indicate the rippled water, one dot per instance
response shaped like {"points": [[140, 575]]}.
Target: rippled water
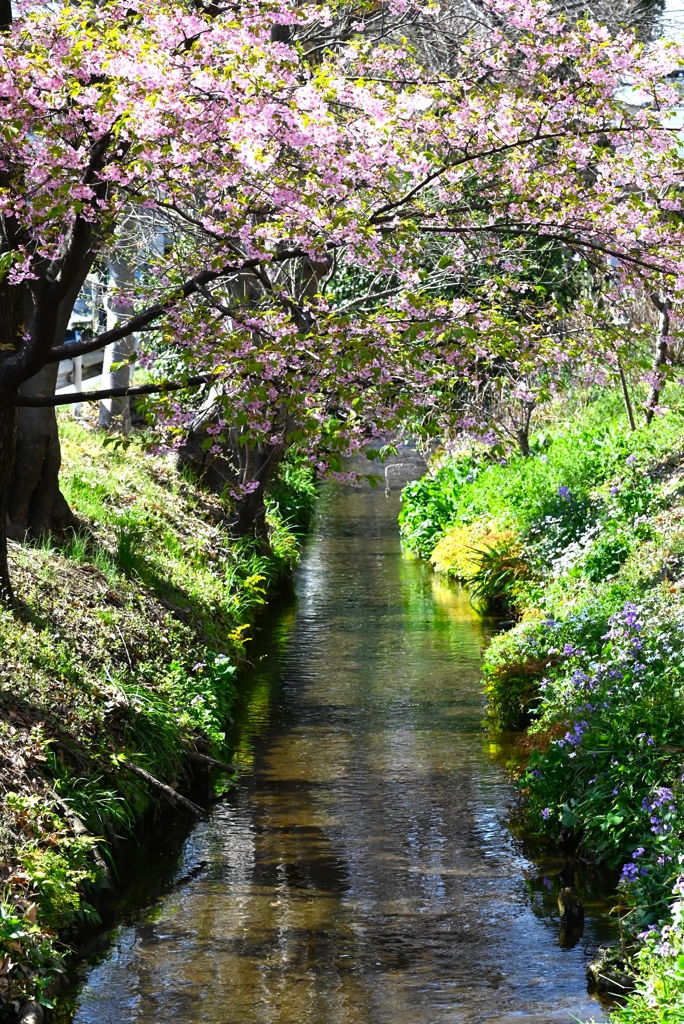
{"points": [[363, 871]]}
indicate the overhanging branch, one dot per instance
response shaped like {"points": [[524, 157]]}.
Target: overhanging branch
{"points": [[136, 323], [50, 401]]}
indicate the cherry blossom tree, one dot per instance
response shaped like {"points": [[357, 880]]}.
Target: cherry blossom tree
{"points": [[320, 211]]}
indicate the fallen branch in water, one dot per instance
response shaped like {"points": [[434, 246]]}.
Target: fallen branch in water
{"points": [[210, 762], [171, 795]]}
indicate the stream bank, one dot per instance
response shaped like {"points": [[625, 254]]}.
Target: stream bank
{"points": [[363, 870], [116, 683], [583, 540]]}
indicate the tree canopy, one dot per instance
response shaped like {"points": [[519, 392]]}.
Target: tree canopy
{"points": [[332, 234]]}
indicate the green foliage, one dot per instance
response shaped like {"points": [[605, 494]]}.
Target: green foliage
{"points": [[292, 496], [56, 863], [555, 500], [129, 557], [499, 571], [30, 962], [430, 505], [514, 665], [659, 995], [593, 559], [613, 775]]}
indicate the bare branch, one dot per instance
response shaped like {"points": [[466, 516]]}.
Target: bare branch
{"points": [[50, 401]]}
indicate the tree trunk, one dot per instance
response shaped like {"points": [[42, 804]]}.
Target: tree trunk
{"points": [[15, 308], [260, 463], [8, 431], [523, 429], [625, 396], [524, 442], [663, 305], [118, 308], [241, 470], [36, 506]]}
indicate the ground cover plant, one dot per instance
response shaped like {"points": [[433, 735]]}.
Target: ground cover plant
{"points": [[123, 657], [594, 670]]}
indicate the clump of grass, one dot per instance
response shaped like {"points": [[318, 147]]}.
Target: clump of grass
{"points": [[499, 570], [129, 558]]}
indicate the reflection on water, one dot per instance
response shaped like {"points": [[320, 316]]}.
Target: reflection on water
{"points": [[363, 873]]}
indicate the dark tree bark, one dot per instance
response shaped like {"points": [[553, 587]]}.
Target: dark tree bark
{"points": [[14, 306], [663, 305], [625, 396], [8, 428], [239, 465], [523, 442], [36, 503], [259, 465], [523, 429]]}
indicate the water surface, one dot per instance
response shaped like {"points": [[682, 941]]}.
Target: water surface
{"points": [[363, 872]]}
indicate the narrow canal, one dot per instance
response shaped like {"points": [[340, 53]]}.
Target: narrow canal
{"points": [[363, 872]]}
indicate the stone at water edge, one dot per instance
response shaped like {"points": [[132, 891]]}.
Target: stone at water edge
{"points": [[31, 1013], [610, 973]]}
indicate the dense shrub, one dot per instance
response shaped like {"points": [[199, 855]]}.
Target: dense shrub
{"points": [[456, 554]]}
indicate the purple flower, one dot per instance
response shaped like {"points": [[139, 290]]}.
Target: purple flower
{"points": [[545, 813], [564, 493], [629, 872], [615, 490], [631, 459], [639, 852]]}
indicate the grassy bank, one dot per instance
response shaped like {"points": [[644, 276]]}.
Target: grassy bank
{"points": [[583, 545], [116, 674]]}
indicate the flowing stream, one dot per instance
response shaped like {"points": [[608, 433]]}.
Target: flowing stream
{"points": [[363, 872]]}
